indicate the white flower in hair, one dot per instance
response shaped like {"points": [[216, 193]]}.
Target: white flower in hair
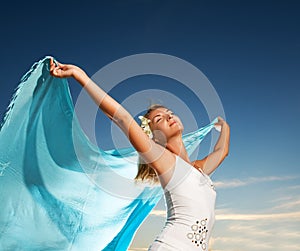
{"points": [[145, 126]]}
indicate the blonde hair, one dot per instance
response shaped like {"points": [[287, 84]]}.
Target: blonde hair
{"points": [[145, 171]]}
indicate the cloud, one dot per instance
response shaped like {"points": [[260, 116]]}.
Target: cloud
{"points": [[262, 235], [287, 199], [253, 217], [273, 226], [296, 187], [243, 217], [245, 232], [239, 243], [251, 180], [288, 205], [138, 249], [161, 213]]}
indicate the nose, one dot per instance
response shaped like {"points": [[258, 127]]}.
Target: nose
{"points": [[169, 116]]}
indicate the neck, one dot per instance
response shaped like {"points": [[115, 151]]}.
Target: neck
{"points": [[176, 146]]}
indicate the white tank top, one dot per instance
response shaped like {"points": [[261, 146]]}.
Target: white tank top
{"points": [[190, 202]]}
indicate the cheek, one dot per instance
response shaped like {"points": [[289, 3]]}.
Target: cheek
{"points": [[179, 121], [181, 125]]}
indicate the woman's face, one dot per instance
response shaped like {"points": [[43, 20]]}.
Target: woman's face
{"points": [[164, 124]]}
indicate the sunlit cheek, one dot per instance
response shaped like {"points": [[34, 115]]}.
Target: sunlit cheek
{"points": [[179, 123]]}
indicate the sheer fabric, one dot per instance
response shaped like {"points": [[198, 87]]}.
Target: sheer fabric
{"points": [[48, 199]]}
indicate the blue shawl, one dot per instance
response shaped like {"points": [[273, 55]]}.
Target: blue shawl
{"points": [[48, 200]]}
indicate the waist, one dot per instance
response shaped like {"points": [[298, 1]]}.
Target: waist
{"points": [[186, 221], [194, 235], [182, 207]]}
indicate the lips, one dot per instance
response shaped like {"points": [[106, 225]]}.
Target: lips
{"points": [[172, 123]]}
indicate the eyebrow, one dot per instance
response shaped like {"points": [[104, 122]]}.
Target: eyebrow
{"points": [[160, 114]]}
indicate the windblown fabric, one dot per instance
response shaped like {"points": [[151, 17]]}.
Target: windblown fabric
{"points": [[58, 190]]}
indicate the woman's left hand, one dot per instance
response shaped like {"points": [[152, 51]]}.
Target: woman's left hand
{"points": [[220, 124]]}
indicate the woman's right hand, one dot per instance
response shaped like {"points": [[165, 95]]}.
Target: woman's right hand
{"points": [[62, 70]]}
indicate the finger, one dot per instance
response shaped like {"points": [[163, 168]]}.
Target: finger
{"points": [[54, 70], [57, 63], [60, 65], [51, 63], [52, 66]]}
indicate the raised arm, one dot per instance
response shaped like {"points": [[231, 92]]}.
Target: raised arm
{"points": [[221, 150], [151, 152]]}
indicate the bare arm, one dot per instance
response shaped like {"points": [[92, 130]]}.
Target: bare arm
{"points": [[221, 150], [151, 152]]}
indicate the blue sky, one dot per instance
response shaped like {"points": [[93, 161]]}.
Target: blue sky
{"points": [[250, 53]]}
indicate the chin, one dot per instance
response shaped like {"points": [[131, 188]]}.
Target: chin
{"points": [[179, 130], [180, 127]]}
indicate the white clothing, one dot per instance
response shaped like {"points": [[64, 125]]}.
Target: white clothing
{"points": [[190, 202]]}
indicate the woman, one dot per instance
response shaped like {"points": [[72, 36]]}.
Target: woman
{"points": [[189, 193]]}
